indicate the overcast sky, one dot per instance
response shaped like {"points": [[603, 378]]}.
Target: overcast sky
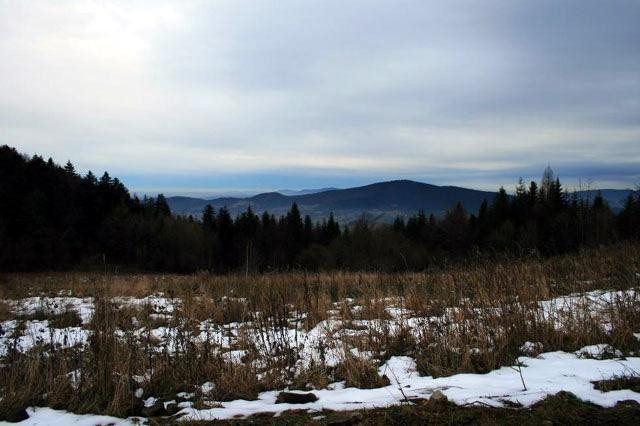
{"points": [[208, 96]]}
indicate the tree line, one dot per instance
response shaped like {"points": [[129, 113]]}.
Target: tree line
{"points": [[52, 218]]}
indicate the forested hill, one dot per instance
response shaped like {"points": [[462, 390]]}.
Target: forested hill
{"points": [[381, 202], [53, 218]]}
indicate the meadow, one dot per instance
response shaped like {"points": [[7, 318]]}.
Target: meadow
{"points": [[140, 347]]}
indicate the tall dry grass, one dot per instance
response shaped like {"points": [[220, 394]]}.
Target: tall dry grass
{"points": [[465, 319]]}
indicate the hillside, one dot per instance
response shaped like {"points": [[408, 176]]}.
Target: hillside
{"points": [[381, 202], [615, 197]]}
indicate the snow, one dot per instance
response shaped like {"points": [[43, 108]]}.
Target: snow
{"points": [[599, 351], [39, 333], [545, 374], [186, 395], [158, 303], [207, 387], [317, 344], [531, 348], [149, 402], [53, 306], [596, 302], [50, 417]]}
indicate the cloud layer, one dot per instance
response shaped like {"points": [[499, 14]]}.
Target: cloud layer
{"points": [[203, 95]]}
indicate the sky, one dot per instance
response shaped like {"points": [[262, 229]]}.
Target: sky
{"points": [[206, 97]]}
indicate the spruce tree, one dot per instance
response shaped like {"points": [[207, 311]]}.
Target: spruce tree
{"points": [[208, 218], [161, 206], [69, 168]]}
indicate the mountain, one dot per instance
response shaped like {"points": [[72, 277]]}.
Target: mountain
{"points": [[615, 197], [380, 202], [292, 192]]}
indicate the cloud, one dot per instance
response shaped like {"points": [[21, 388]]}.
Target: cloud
{"points": [[465, 92]]}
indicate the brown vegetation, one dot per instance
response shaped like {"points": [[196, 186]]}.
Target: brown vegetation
{"points": [[471, 319]]}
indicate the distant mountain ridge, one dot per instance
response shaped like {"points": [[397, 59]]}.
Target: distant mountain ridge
{"points": [[380, 202], [615, 197], [293, 192]]}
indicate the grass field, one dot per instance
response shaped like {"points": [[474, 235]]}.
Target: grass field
{"points": [[201, 347]]}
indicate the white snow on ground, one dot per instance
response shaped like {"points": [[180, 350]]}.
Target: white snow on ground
{"points": [[53, 306], [157, 302], [548, 374], [320, 336], [545, 375], [598, 351], [596, 302], [49, 417], [39, 333]]}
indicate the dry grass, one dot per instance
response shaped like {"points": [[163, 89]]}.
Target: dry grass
{"points": [[472, 319], [629, 381], [359, 373], [5, 311]]}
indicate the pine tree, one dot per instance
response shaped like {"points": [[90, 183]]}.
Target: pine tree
{"points": [[483, 223], [333, 228], [90, 178], [556, 197], [521, 190], [455, 227], [105, 180], [629, 218], [398, 225], [603, 221], [161, 206], [308, 231], [294, 224], [70, 169], [208, 218], [520, 204], [294, 229], [226, 233], [500, 208], [533, 194], [546, 183]]}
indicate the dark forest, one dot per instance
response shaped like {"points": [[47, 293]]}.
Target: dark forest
{"points": [[52, 218]]}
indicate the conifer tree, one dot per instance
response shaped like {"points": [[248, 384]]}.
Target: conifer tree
{"points": [[161, 206], [208, 218], [69, 168]]}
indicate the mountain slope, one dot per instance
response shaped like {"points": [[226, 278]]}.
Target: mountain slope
{"points": [[292, 192], [615, 197], [379, 201]]}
